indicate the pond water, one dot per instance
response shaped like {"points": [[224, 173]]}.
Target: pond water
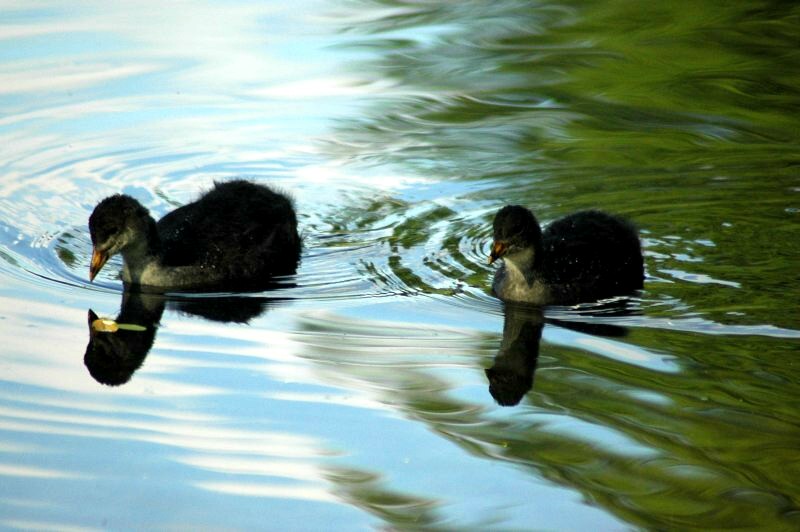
{"points": [[356, 396]]}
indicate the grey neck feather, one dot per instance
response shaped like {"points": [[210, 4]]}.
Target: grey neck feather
{"points": [[137, 259], [520, 265], [518, 280], [141, 253]]}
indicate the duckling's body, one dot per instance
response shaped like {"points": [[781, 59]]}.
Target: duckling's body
{"points": [[235, 237], [585, 256]]}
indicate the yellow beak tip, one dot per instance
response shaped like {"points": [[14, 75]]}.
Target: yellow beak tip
{"points": [[498, 249], [98, 261]]}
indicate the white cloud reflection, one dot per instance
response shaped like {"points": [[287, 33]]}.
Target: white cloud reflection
{"points": [[275, 491], [27, 78], [225, 44], [44, 526], [18, 470]]}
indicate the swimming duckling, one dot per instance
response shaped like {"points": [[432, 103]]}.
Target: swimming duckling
{"points": [[237, 236], [582, 257]]}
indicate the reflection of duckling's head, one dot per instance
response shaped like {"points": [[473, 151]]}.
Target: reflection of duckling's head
{"points": [[112, 357], [507, 385], [511, 375]]}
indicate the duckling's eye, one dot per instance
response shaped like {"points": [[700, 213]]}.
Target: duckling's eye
{"points": [[108, 231]]}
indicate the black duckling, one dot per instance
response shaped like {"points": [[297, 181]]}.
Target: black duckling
{"points": [[235, 237], [582, 257]]}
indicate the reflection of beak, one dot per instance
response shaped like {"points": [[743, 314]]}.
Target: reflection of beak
{"points": [[498, 250], [99, 258]]}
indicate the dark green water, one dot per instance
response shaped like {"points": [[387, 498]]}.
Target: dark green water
{"points": [[359, 398]]}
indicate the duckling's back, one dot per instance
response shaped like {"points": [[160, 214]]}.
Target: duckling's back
{"points": [[591, 255], [239, 233]]}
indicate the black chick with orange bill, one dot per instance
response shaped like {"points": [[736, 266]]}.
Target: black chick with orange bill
{"points": [[582, 257], [237, 236]]}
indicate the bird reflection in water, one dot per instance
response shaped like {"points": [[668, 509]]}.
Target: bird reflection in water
{"points": [[512, 373], [113, 357]]}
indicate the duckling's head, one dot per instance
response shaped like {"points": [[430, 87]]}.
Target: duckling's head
{"points": [[517, 234], [118, 223]]}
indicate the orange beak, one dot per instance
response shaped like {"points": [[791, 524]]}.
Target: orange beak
{"points": [[99, 259], [498, 250]]}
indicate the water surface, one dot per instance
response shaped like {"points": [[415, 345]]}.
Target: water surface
{"points": [[357, 396]]}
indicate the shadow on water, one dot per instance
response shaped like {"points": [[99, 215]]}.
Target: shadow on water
{"points": [[113, 356]]}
